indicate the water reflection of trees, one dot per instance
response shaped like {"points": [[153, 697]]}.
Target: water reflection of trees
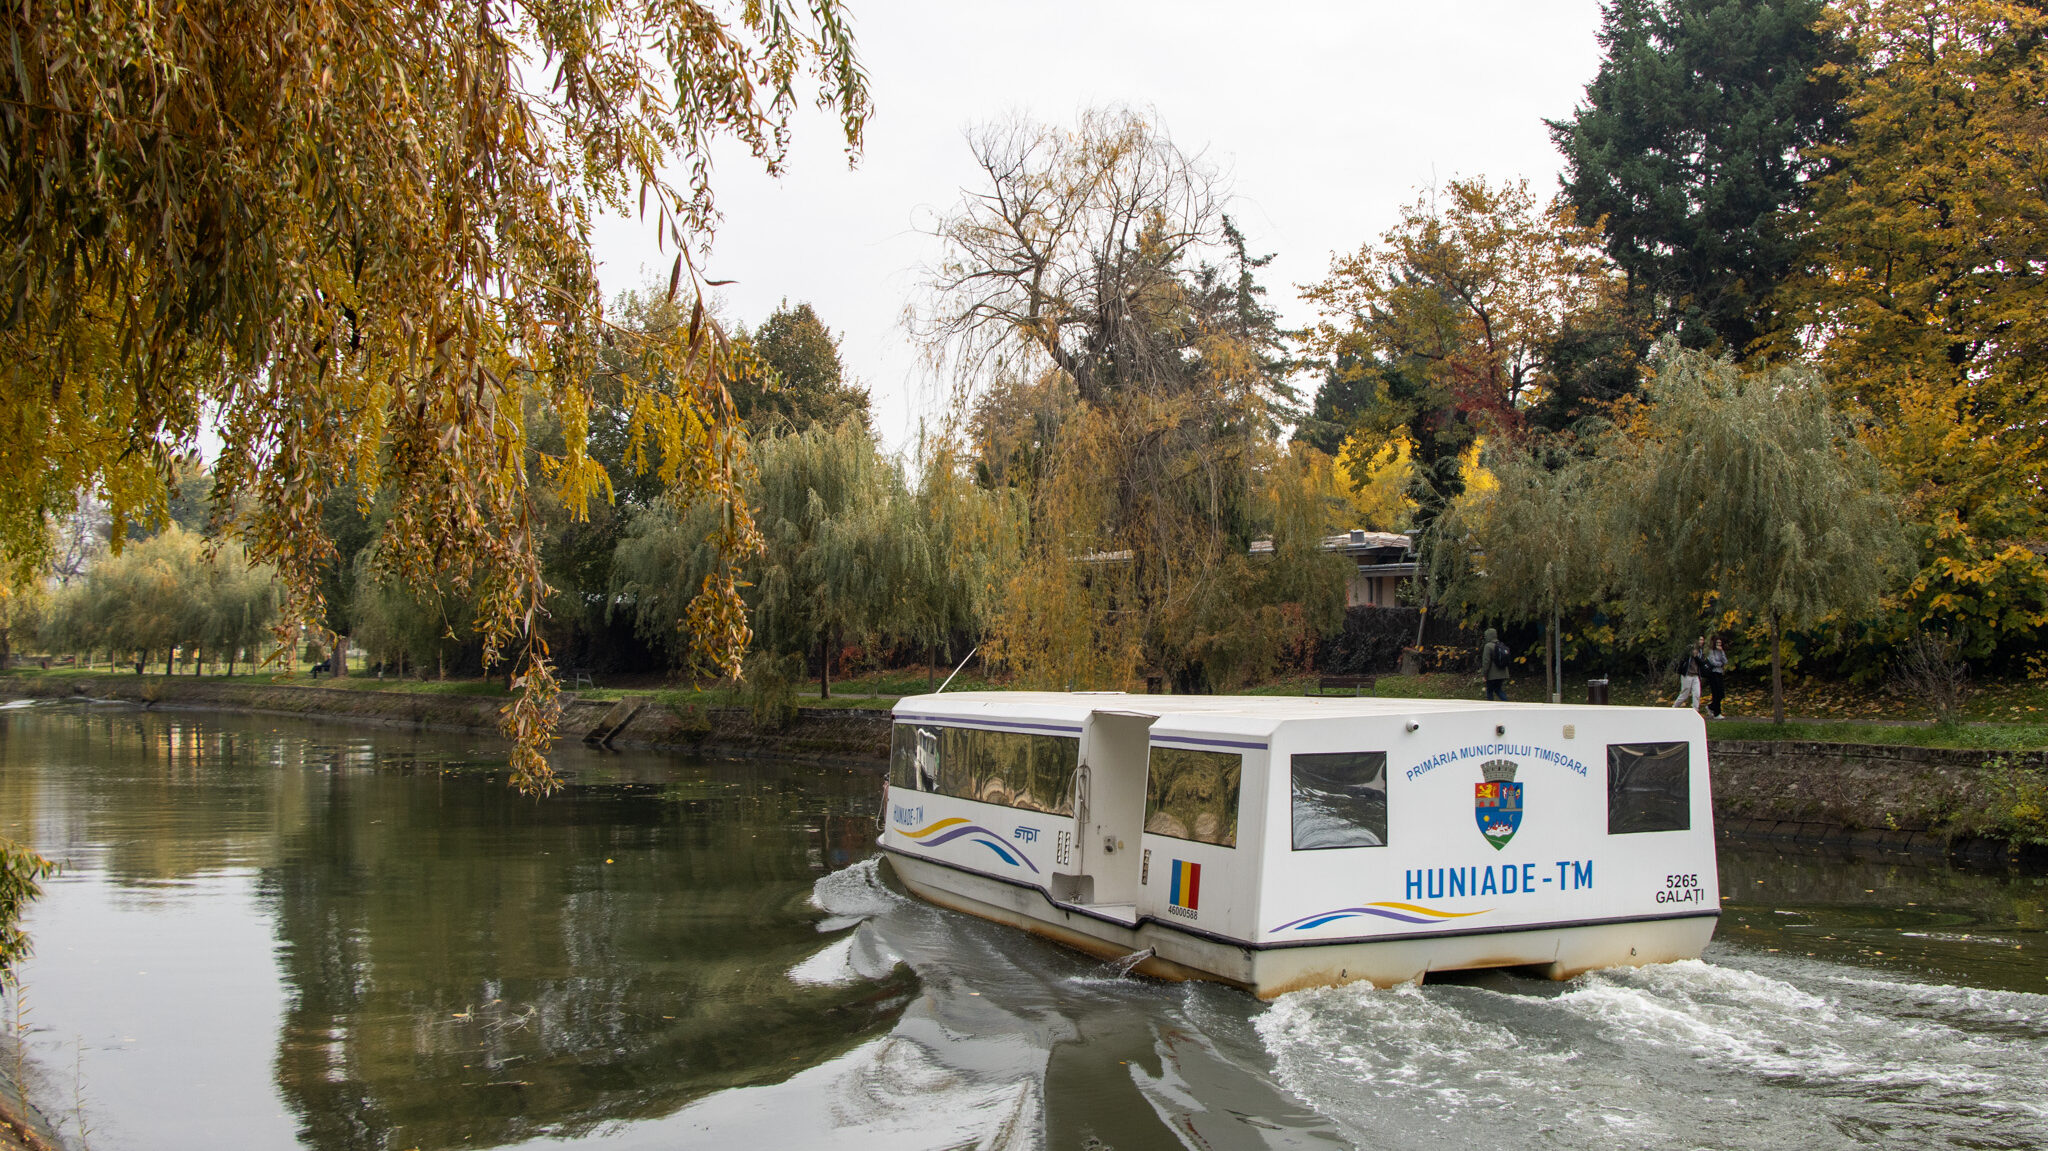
{"points": [[467, 968], [153, 796], [464, 967]]}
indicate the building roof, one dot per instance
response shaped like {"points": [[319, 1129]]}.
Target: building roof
{"points": [[1357, 541]]}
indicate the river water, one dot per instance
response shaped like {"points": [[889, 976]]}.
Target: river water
{"points": [[273, 934]]}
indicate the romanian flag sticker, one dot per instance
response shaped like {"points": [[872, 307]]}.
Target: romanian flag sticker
{"points": [[1187, 885]]}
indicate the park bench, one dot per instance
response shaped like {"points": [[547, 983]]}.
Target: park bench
{"points": [[580, 677], [1355, 684]]}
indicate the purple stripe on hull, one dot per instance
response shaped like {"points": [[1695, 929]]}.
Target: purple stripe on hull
{"points": [[1321, 918]]}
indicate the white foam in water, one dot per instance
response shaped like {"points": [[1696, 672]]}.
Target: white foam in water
{"points": [[854, 893], [828, 968], [1405, 1067], [856, 957], [1771, 1028], [1962, 1005], [889, 1095], [1677, 1055]]}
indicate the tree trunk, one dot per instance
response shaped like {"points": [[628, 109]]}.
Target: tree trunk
{"points": [[1556, 656], [170, 661], [931, 667], [825, 665], [1422, 617], [340, 668], [1777, 672]]}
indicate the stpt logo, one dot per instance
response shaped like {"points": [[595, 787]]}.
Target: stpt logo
{"points": [[1184, 898], [1497, 802]]}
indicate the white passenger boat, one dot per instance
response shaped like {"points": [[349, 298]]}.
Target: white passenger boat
{"points": [[1278, 843]]}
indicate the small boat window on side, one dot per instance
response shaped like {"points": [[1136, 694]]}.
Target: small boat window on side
{"points": [[1649, 787], [1339, 799], [1192, 794]]}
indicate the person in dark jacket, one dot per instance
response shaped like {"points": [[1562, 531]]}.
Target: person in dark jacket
{"points": [[1717, 677], [1493, 664]]}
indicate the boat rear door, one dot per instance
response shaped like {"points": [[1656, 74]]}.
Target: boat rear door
{"points": [[1109, 813]]}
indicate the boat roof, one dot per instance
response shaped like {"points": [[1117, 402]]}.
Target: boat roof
{"points": [[1244, 714]]}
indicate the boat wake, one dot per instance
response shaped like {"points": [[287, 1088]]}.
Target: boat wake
{"points": [[1746, 1051]]}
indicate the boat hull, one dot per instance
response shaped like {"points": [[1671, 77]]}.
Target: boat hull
{"points": [[1557, 951]]}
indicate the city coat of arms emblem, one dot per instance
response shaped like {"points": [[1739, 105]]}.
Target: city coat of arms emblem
{"points": [[1497, 802]]}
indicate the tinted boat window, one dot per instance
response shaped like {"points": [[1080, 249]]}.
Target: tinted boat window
{"points": [[1034, 772], [902, 752], [1649, 787], [914, 757], [1193, 794], [1340, 800]]}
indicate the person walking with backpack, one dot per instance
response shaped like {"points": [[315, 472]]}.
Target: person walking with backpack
{"points": [[1493, 663], [1690, 667]]}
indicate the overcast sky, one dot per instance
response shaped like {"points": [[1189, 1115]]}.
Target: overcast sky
{"points": [[1324, 117]]}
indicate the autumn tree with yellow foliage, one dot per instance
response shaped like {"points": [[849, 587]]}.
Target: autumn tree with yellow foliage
{"points": [[1931, 303], [1446, 329]]}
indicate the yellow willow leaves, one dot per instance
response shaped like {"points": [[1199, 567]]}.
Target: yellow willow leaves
{"points": [[355, 234]]}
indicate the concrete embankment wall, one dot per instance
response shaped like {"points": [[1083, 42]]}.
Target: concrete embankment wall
{"points": [[1938, 801], [1977, 804]]}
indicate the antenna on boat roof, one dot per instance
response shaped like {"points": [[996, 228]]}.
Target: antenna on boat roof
{"points": [[956, 671]]}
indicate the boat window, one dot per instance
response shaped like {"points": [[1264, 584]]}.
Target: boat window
{"points": [[1193, 794], [1034, 772], [902, 746], [914, 757], [1649, 787], [1340, 800]]}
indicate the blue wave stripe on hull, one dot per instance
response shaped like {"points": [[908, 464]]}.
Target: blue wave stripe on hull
{"points": [[987, 839]]}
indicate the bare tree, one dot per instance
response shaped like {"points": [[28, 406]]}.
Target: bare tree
{"points": [[77, 540], [1929, 668], [1070, 251], [1095, 302]]}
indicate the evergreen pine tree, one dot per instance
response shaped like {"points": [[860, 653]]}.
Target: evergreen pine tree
{"points": [[1695, 141]]}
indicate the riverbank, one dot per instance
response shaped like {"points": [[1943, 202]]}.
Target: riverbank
{"points": [[1984, 805], [23, 1125], [645, 720]]}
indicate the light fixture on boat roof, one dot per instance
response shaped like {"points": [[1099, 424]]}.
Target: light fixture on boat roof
{"points": [[1500, 729], [1413, 726]]}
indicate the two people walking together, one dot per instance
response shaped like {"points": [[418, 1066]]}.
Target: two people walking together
{"points": [[1700, 663]]}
